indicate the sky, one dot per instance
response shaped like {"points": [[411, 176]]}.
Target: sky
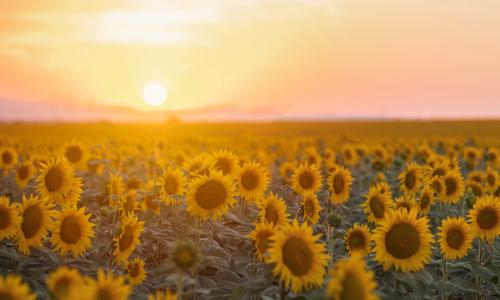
{"points": [[287, 59]]}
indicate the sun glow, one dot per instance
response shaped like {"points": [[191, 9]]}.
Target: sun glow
{"points": [[155, 94]]}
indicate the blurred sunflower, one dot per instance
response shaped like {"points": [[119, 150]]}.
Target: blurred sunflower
{"points": [[358, 239], [8, 158], [376, 205], [475, 187], [261, 237], [454, 187], [351, 280], [24, 172], [12, 288], [272, 210], [72, 232], [163, 295], [172, 182], [128, 238], [485, 217], [476, 176], [426, 199], [298, 256], [106, 286], [339, 185], [226, 162], [135, 271], [403, 240], [439, 169], [75, 154], [185, 255], [306, 178], [410, 179], [36, 221], [312, 157], [9, 218], [455, 237], [311, 207], [114, 188], [349, 155], [437, 184], [253, 180], [405, 202], [129, 203], [492, 179], [286, 170], [210, 196], [63, 282]]}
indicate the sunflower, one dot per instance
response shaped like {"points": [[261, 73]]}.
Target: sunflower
{"points": [[403, 240], [210, 195], [226, 162], [24, 173], [455, 237], [439, 169], [107, 286], [261, 237], [405, 202], [426, 199], [376, 205], [476, 176], [437, 184], [9, 218], [163, 295], [286, 170], [492, 179], [272, 210], [298, 256], [128, 239], [306, 178], [349, 155], [454, 187], [129, 204], [351, 279], [410, 179], [12, 288], [36, 221], [475, 187], [253, 180], [75, 154], [57, 182], [185, 255], [485, 217], [172, 182], [312, 157], [357, 239], [63, 282], [339, 185], [384, 188], [199, 165], [330, 158], [72, 232], [311, 207], [133, 183], [115, 187], [8, 158], [472, 156], [135, 271]]}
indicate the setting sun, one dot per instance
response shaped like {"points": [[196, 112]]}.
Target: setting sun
{"points": [[155, 94]]}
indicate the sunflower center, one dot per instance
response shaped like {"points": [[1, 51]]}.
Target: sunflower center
{"points": [[6, 295], [306, 180], [171, 185], [32, 221], [402, 241], [297, 256], [271, 215], [4, 217], [262, 242], [491, 180], [23, 172], [104, 293], [309, 207], [424, 201], [377, 207], [455, 238], [311, 160], [487, 218], [249, 180], [54, 179], [410, 180], [7, 157], [126, 239], [352, 287], [224, 165], [338, 184], [71, 231], [439, 172], [356, 240], [61, 287], [133, 270], [211, 194], [184, 258], [348, 155], [74, 154], [451, 186]]}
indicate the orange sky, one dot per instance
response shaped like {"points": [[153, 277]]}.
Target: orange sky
{"points": [[305, 58]]}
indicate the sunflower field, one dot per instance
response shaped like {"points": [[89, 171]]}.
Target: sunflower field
{"points": [[360, 210]]}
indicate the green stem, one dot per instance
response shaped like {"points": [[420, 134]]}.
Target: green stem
{"points": [[179, 284], [445, 276], [479, 260], [283, 291]]}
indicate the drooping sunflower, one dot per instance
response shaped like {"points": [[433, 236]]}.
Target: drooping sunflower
{"points": [[58, 182], [75, 154], [24, 172], [306, 178], [261, 237], [426, 199], [226, 162], [272, 209], [72, 232], [36, 221], [63, 282], [128, 239], [172, 182], [351, 280], [403, 240], [107, 286], [406, 202], [135, 271], [410, 179], [339, 185], [311, 207], [253, 180], [376, 205], [8, 158], [9, 218], [455, 237], [210, 195], [298, 256], [485, 217], [12, 288], [358, 239], [454, 187], [163, 295], [185, 255]]}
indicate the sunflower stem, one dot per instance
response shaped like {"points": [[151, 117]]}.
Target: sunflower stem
{"points": [[110, 262], [283, 291], [179, 284], [445, 276], [159, 243], [242, 207], [479, 260]]}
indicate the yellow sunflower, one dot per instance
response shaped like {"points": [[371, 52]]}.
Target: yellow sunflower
{"points": [[454, 187], [129, 203], [128, 239], [437, 184], [12, 288], [286, 170], [492, 179], [24, 172], [405, 202], [75, 154], [403, 240], [261, 237], [426, 199], [36, 221], [298, 256], [163, 295], [455, 237], [72, 232], [475, 187], [349, 155], [226, 162], [210, 195], [358, 239], [185, 255], [106, 286], [9, 218], [253, 180], [311, 207], [339, 185], [172, 182], [376, 205], [306, 178], [485, 217], [312, 157], [352, 280], [476, 176], [272, 210], [63, 282], [115, 189], [135, 271], [8, 158], [410, 179]]}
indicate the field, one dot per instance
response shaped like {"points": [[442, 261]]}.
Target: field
{"points": [[340, 210]]}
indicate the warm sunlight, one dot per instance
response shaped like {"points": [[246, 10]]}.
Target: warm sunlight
{"points": [[155, 94]]}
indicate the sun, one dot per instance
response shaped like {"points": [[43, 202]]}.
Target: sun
{"points": [[155, 93]]}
